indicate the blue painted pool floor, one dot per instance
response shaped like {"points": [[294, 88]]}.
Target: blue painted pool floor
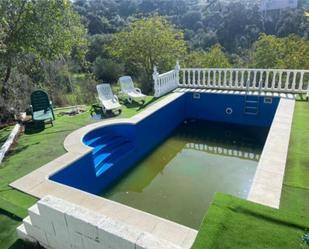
{"points": [[179, 178]]}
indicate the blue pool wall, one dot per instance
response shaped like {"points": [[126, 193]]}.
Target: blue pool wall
{"points": [[151, 131], [213, 107]]}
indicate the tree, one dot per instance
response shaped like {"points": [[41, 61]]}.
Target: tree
{"points": [[274, 52], [46, 29], [148, 42], [214, 58], [107, 70]]}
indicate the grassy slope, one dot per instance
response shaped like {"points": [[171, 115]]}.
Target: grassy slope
{"points": [[31, 152], [235, 223]]}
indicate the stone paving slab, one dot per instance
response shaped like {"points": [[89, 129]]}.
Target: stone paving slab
{"points": [[267, 183], [237, 92]]}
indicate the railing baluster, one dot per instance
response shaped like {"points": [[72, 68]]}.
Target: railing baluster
{"points": [[193, 79], [301, 81], [208, 78], [273, 83], [254, 80], [294, 80], [287, 80], [199, 77], [204, 79], [279, 80]]}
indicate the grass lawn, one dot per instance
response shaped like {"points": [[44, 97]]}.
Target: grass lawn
{"points": [[31, 152], [239, 224], [4, 133], [230, 222], [234, 223]]}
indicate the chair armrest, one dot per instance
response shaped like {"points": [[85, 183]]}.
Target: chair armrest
{"points": [[116, 97], [138, 90]]}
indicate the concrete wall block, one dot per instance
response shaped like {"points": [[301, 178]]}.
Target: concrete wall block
{"points": [[34, 232], [40, 221], [22, 234], [77, 241], [83, 221], [54, 209], [56, 242], [92, 244], [148, 241], [116, 235]]}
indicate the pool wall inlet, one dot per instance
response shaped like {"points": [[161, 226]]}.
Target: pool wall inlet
{"points": [[89, 175]]}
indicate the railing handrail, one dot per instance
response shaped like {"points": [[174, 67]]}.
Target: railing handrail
{"points": [[247, 69], [166, 73]]}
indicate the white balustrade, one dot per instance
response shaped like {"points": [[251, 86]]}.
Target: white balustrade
{"points": [[166, 82], [241, 79], [273, 80]]}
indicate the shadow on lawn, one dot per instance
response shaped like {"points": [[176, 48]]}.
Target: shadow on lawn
{"points": [[10, 215], [138, 105], [34, 127], [19, 244]]}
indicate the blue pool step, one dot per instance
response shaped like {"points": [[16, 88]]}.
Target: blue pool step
{"points": [[106, 146], [99, 140], [107, 150], [103, 157]]}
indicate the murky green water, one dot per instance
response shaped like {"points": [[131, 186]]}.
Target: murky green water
{"points": [[177, 181]]}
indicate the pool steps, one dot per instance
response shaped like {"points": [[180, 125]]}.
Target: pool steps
{"points": [[108, 149]]}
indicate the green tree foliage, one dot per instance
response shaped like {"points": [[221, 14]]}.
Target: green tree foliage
{"points": [[273, 52], [97, 46], [214, 58], [46, 29], [107, 70], [146, 43], [34, 34]]}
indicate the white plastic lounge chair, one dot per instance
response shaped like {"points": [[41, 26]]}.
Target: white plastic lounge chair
{"points": [[128, 89], [108, 100]]}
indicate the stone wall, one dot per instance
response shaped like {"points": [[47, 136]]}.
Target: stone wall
{"points": [[58, 224]]}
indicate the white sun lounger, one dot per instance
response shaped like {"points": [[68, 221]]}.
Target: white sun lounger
{"points": [[128, 89], [108, 100]]}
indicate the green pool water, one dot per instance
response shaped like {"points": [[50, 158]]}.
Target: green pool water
{"points": [[177, 181]]}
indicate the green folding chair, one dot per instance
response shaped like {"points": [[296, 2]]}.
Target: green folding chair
{"points": [[41, 107]]}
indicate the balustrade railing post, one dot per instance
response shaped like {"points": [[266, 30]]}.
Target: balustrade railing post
{"points": [[155, 76], [177, 72]]}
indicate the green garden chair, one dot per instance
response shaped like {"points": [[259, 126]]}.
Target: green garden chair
{"points": [[41, 107]]}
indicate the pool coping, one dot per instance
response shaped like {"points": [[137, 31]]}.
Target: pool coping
{"points": [[38, 185], [268, 180]]}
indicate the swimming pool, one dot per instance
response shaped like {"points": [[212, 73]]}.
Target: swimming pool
{"points": [[177, 180], [119, 148]]}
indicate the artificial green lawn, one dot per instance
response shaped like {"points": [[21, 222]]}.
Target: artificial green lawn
{"points": [[230, 221], [234, 223], [239, 224], [33, 150], [5, 132]]}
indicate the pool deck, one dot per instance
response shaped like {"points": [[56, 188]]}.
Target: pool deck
{"points": [[38, 185], [266, 188]]}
